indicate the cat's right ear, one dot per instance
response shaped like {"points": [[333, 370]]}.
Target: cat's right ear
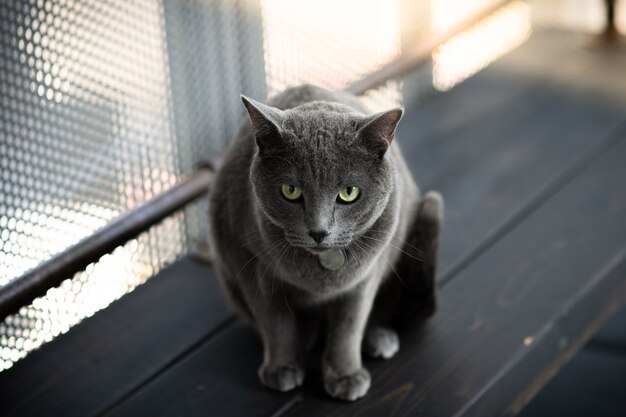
{"points": [[380, 131], [265, 122]]}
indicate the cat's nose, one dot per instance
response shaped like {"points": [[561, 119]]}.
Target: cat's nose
{"points": [[318, 235]]}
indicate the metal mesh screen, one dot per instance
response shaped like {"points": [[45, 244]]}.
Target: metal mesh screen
{"points": [[215, 53], [86, 133]]}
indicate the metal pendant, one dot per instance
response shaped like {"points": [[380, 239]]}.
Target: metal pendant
{"points": [[332, 259]]}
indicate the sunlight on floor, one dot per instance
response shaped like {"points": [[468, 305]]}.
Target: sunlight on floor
{"points": [[480, 45]]}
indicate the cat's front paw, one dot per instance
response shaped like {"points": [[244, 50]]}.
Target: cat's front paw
{"points": [[381, 342], [348, 387], [281, 377]]}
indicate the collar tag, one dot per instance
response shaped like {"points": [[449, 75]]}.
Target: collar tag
{"points": [[332, 259]]}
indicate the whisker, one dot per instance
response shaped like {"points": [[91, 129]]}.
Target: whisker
{"points": [[293, 263], [393, 246], [257, 255], [249, 243], [265, 271], [394, 236], [353, 255], [265, 250], [360, 247], [253, 234], [396, 272], [276, 265], [285, 297]]}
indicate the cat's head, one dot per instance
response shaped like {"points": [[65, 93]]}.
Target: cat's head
{"points": [[322, 172]]}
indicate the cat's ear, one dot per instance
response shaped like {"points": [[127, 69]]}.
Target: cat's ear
{"points": [[265, 122], [379, 131]]}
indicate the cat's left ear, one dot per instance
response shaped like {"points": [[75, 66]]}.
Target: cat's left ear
{"points": [[265, 121], [379, 131]]}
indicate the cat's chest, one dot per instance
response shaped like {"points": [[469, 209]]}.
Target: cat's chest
{"points": [[325, 275]]}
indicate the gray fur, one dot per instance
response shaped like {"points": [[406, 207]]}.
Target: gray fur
{"points": [[269, 264]]}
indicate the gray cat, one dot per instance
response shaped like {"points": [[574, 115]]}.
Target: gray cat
{"points": [[312, 213]]}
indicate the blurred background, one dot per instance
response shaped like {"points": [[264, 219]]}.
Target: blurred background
{"points": [[105, 104]]}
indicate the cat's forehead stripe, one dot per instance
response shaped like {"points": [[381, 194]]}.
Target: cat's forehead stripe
{"points": [[320, 128]]}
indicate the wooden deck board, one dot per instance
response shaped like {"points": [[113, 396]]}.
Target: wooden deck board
{"points": [[217, 379], [591, 385], [613, 334], [490, 165], [103, 359]]}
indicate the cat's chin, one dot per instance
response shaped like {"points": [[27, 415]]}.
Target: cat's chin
{"points": [[315, 250], [318, 250]]}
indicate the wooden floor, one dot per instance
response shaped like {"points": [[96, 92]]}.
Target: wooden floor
{"points": [[530, 155], [593, 383]]}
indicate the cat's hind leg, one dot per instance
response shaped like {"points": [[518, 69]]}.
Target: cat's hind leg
{"points": [[408, 294], [418, 265]]}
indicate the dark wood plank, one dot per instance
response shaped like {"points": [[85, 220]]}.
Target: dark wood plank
{"points": [[109, 355], [515, 314], [489, 168], [218, 379], [521, 121], [592, 384], [613, 334]]}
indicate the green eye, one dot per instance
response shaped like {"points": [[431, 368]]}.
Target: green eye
{"points": [[349, 194], [291, 192]]}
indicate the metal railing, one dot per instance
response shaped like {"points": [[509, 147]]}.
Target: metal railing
{"points": [[52, 272]]}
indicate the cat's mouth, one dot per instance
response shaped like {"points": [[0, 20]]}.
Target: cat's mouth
{"points": [[316, 249]]}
